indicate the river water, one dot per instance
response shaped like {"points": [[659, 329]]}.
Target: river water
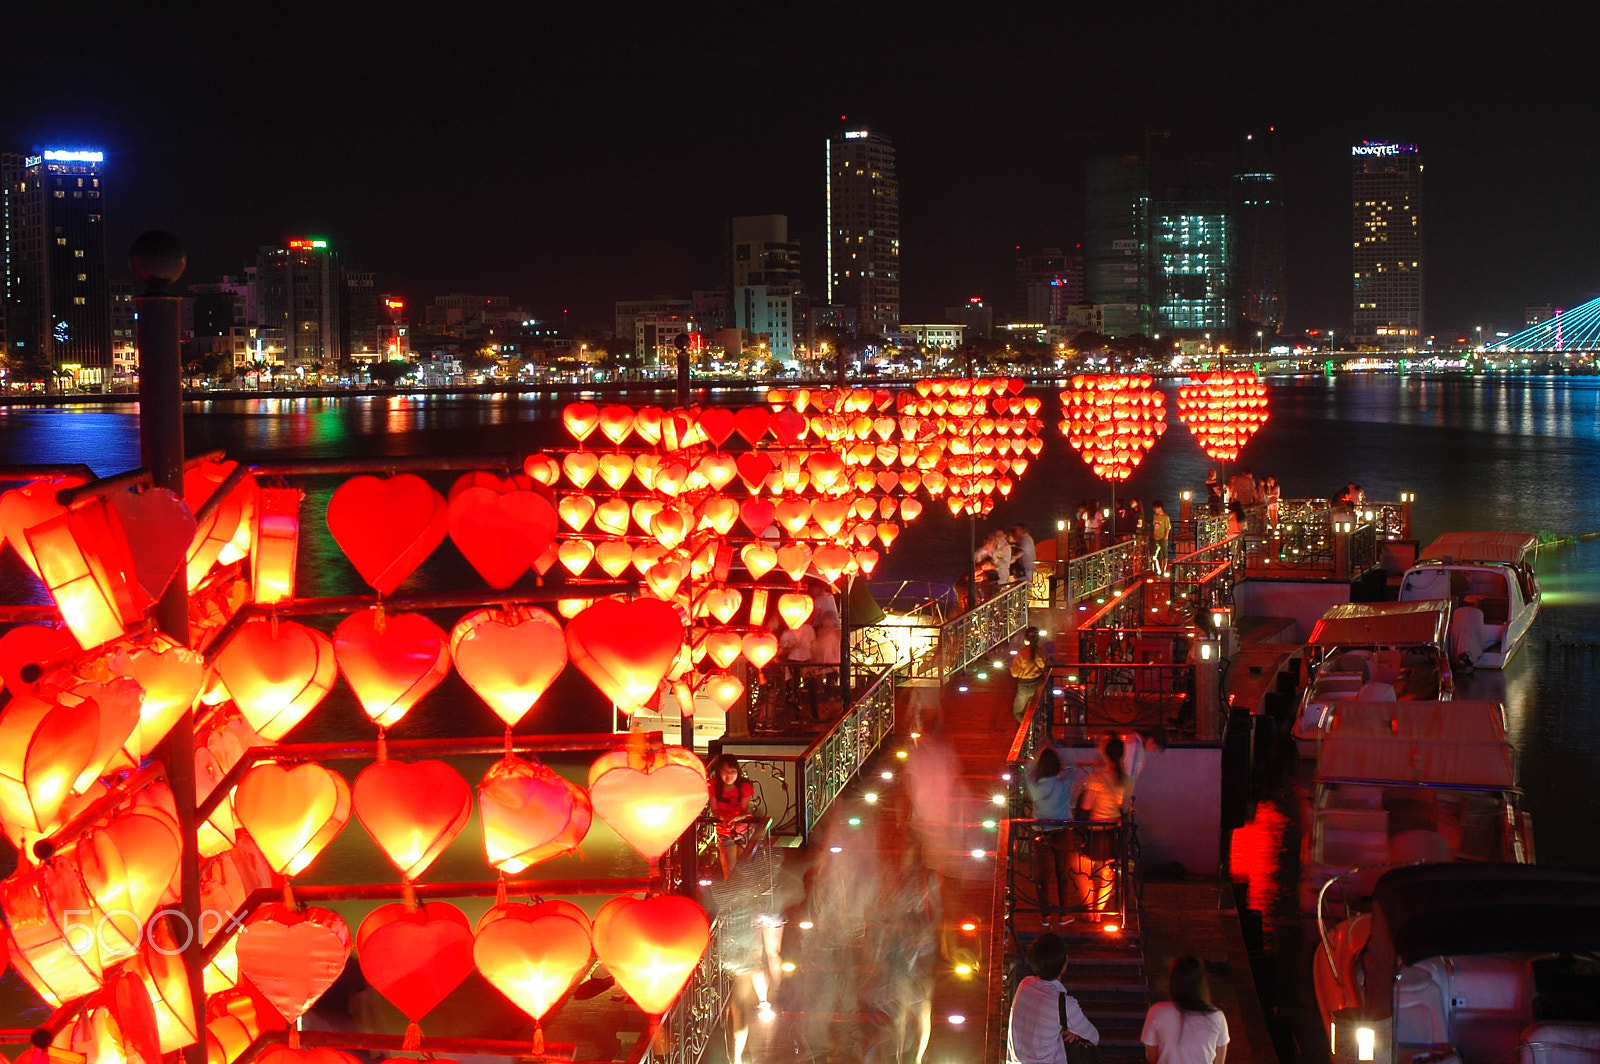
{"points": [[1481, 453]]}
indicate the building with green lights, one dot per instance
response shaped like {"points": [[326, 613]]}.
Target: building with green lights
{"points": [[1193, 252]]}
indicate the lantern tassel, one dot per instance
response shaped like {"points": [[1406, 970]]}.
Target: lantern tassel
{"points": [[538, 1039], [294, 1035], [509, 751], [413, 1039], [288, 894]]}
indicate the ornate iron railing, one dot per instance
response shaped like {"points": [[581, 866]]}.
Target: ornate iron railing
{"points": [[969, 636], [1389, 519], [829, 764], [693, 1020], [1089, 575]]}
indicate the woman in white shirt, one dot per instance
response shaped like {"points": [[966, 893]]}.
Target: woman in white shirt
{"points": [[1188, 1029]]}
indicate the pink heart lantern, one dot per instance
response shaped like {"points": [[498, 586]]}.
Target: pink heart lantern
{"points": [[530, 813], [390, 660], [509, 657], [291, 956]]}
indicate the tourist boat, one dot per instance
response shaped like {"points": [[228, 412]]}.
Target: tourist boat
{"points": [[1401, 782], [1466, 964], [1487, 578], [1373, 651]]}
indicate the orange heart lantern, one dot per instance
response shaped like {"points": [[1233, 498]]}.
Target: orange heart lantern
{"points": [[415, 958], [159, 965], [412, 811], [509, 657], [648, 793], [625, 648], [32, 649], [387, 527], [291, 813], [652, 946], [200, 482], [760, 648], [277, 671], [54, 748], [292, 956], [171, 676], [500, 530], [26, 507], [533, 954], [390, 660], [274, 544], [530, 813]]}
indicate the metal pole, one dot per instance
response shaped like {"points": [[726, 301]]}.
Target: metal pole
{"points": [[157, 259]]}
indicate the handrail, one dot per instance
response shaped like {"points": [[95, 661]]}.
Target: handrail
{"points": [[836, 756]]}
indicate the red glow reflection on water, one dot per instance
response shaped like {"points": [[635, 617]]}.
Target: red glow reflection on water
{"points": [[1256, 856]]}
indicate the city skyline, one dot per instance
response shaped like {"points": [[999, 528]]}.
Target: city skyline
{"points": [[581, 217]]}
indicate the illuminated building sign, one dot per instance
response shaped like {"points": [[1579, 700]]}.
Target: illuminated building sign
{"points": [[53, 156], [1383, 149], [395, 304], [856, 134], [306, 245]]}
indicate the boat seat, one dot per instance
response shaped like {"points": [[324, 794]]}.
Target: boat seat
{"points": [[1339, 681], [1419, 1017], [1495, 610], [1352, 837], [1355, 661], [1420, 844], [1386, 666], [1558, 1042], [1376, 692], [1491, 1002]]}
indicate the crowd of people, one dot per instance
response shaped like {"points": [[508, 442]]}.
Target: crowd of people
{"points": [[1006, 554]]}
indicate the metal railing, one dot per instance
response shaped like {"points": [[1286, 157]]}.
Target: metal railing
{"points": [[693, 1020], [829, 764], [1089, 863], [932, 653], [1091, 574]]}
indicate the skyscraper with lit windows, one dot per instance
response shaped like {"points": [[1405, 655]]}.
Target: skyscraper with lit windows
{"points": [[863, 222], [1387, 254], [57, 300], [1193, 246]]}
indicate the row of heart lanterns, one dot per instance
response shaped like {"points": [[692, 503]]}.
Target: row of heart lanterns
{"points": [[1113, 420], [108, 560]]}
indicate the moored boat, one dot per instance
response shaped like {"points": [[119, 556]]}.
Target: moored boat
{"points": [[1489, 582]]}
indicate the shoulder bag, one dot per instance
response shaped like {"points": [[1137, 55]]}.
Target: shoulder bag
{"points": [[1078, 1050]]}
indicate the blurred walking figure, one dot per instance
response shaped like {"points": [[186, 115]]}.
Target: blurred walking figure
{"points": [[1101, 802], [1028, 669], [903, 947]]}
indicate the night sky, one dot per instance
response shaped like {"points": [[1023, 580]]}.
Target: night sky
{"points": [[571, 159]]}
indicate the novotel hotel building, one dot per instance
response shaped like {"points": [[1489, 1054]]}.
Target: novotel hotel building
{"points": [[57, 300], [1387, 256]]}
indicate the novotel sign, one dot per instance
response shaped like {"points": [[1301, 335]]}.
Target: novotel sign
{"points": [[53, 156], [1383, 149]]}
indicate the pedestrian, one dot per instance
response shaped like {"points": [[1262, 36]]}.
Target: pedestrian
{"points": [[1242, 488], [1214, 491], [733, 798], [1024, 553], [1028, 669], [1160, 536], [1044, 1017], [1271, 494], [1080, 528], [1050, 791], [1101, 802], [1235, 519], [1187, 1028], [1092, 525]]}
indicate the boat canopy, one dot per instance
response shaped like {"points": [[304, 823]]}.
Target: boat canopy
{"points": [[1384, 624], [1457, 744], [1454, 548], [1463, 908]]}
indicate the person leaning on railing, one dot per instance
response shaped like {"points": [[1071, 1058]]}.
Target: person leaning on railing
{"points": [[1028, 669]]}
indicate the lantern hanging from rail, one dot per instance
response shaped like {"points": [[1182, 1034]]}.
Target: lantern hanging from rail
{"points": [[413, 811], [1112, 421], [274, 544], [291, 813], [533, 954], [200, 481], [277, 671], [500, 528], [28, 506], [625, 648], [649, 793], [292, 956], [652, 946], [387, 526], [390, 660], [530, 813], [415, 955], [1223, 410], [509, 657]]}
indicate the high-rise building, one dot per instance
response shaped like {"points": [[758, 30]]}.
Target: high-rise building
{"points": [[761, 252], [1116, 247], [364, 319], [1045, 285], [1192, 244], [301, 293], [863, 223], [1262, 273], [57, 299], [1387, 258], [124, 355]]}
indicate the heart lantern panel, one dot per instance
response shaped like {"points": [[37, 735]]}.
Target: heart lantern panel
{"points": [[530, 813], [387, 526], [533, 953], [412, 811], [277, 671], [501, 529], [292, 813], [390, 660], [509, 657], [626, 648], [652, 946], [649, 793], [415, 957], [293, 956]]}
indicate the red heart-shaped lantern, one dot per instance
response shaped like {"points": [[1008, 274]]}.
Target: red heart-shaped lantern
{"points": [[1223, 410], [533, 954], [652, 946], [387, 526], [390, 660], [412, 811], [751, 423], [200, 482], [648, 793], [36, 645], [277, 671], [291, 813], [171, 676], [26, 507], [293, 956], [509, 657], [580, 419], [754, 469], [500, 531], [530, 813], [415, 957], [1112, 421], [625, 648], [48, 751]]}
